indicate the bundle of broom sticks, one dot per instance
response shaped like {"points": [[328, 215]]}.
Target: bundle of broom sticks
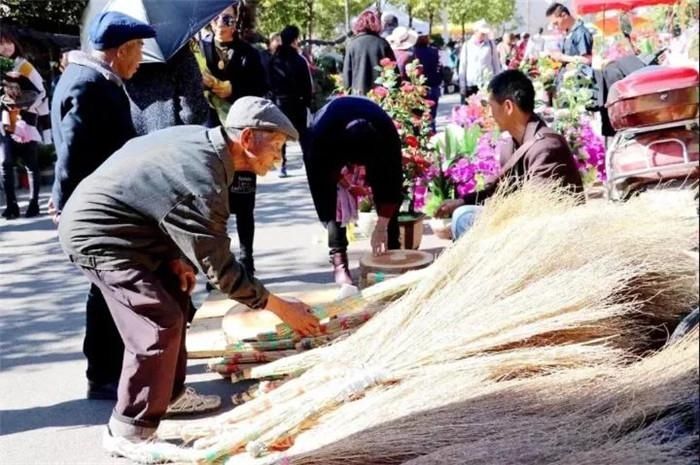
{"points": [[339, 318], [541, 287]]}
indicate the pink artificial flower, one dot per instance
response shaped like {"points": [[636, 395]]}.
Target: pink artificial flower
{"points": [[407, 87], [386, 63], [380, 91]]}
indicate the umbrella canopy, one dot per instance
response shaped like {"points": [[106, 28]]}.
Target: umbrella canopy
{"points": [[584, 7], [175, 21], [611, 25]]}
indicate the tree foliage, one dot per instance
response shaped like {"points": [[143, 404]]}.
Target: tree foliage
{"points": [[60, 16], [318, 18], [429, 10], [494, 12]]}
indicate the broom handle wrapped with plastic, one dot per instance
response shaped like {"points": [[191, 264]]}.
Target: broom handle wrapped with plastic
{"points": [[261, 346], [367, 296]]}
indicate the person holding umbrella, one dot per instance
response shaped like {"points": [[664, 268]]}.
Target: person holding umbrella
{"points": [[90, 120]]}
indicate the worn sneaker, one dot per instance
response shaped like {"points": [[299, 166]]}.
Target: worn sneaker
{"points": [[191, 403], [129, 447]]}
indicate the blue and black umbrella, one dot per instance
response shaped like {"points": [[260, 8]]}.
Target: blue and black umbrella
{"points": [[175, 21]]}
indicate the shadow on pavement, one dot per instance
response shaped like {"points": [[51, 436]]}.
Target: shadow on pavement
{"points": [[76, 412]]}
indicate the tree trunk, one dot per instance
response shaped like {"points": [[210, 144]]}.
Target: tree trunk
{"points": [[310, 16], [252, 6], [464, 32], [430, 23], [410, 16]]}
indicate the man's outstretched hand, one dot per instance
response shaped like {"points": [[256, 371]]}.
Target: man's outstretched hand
{"points": [[296, 314]]}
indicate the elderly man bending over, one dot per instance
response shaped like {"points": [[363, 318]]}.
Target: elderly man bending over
{"points": [[534, 151], [134, 226]]}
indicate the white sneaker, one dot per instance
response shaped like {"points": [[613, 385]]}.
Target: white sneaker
{"points": [[191, 403], [120, 446]]}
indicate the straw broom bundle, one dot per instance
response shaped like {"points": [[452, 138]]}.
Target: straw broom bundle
{"points": [[514, 304], [544, 419], [634, 449], [574, 318]]}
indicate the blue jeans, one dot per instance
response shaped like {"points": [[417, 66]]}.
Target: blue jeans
{"points": [[463, 219]]}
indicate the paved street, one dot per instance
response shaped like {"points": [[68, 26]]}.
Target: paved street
{"points": [[44, 417]]}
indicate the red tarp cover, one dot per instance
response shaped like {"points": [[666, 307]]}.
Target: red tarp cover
{"points": [[584, 7], [653, 80]]}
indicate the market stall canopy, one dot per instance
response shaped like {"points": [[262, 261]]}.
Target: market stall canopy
{"points": [[175, 22], [584, 7]]}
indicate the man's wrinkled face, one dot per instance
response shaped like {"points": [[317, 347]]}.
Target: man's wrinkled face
{"points": [[7, 48], [224, 25], [264, 149], [129, 55]]}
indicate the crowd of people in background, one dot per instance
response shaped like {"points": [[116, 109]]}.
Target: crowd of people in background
{"points": [[172, 93]]}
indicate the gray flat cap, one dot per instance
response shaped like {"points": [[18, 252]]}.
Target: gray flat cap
{"points": [[259, 113]]}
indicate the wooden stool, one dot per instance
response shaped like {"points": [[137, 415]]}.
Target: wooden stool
{"points": [[393, 263]]}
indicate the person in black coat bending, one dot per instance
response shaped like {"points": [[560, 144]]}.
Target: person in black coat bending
{"points": [[234, 70], [290, 84], [354, 130]]}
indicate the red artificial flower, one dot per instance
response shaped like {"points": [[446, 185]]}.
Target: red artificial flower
{"points": [[412, 141]]}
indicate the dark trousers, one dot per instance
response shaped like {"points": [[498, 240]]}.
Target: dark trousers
{"points": [[150, 312], [296, 111], [434, 95], [338, 239], [242, 204], [10, 153], [102, 346]]}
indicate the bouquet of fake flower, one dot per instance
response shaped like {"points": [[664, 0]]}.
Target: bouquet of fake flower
{"points": [[462, 161], [475, 111], [573, 121], [546, 74], [406, 103]]}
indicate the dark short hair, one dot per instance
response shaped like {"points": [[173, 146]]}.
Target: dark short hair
{"points": [[515, 86], [289, 34], [557, 8], [391, 20], [7, 36], [526, 35]]}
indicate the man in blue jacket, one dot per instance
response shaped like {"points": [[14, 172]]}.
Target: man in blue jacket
{"points": [[90, 120]]}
